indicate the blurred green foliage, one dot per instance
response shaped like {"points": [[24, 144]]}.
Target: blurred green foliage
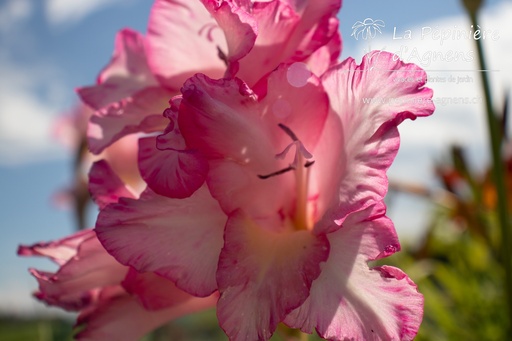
{"points": [[32, 329], [458, 266]]}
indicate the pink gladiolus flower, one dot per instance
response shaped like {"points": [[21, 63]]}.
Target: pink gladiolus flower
{"points": [[114, 302], [243, 38], [291, 176], [265, 186]]}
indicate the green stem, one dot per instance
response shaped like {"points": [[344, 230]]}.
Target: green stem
{"points": [[498, 175]]}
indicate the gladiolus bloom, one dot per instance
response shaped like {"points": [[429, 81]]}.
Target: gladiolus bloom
{"points": [[291, 209]]}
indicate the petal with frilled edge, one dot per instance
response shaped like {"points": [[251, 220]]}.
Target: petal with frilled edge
{"points": [[123, 318], [325, 56], [105, 186], [349, 300], [239, 28], [221, 120], [127, 73], [179, 239], [263, 275], [172, 173], [140, 113], [183, 39], [153, 292], [74, 285], [287, 32], [371, 102], [276, 21], [59, 251], [317, 27]]}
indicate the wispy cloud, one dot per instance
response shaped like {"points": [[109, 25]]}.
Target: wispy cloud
{"points": [[31, 90], [30, 100], [66, 11], [14, 11]]}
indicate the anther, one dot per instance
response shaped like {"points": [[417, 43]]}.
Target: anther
{"points": [[222, 56], [288, 132], [279, 172]]}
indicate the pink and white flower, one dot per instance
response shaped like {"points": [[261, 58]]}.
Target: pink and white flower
{"points": [[280, 237], [265, 184]]}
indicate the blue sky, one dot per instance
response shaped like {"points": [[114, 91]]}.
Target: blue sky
{"points": [[50, 47]]}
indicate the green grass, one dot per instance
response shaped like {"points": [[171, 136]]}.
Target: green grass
{"points": [[24, 329]]}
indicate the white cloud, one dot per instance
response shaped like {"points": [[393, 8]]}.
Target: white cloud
{"points": [[27, 113], [66, 11], [14, 11]]}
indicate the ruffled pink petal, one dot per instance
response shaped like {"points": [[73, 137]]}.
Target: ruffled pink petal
{"points": [[127, 73], [183, 236], [318, 25], [172, 138], [264, 275], [241, 137], [326, 56], [122, 158], [123, 318], [238, 25], [153, 292], [59, 251], [171, 173], [294, 97], [183, 39], [140, 113], [323, 181], [74, 286], [275, 22], [349, 300], [105, 186], [288, 32], [370, 102], [222, 120]]}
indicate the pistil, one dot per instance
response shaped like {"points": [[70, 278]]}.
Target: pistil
{"points": [[301, 166], [301, 185]]}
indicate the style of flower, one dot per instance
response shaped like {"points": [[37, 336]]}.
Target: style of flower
{"points": [[283, 238]]}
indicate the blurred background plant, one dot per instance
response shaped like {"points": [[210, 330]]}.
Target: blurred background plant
{"points": [[458, 264]]}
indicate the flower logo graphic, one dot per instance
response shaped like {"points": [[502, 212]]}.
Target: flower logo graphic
{"points": [[367, 29]]}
